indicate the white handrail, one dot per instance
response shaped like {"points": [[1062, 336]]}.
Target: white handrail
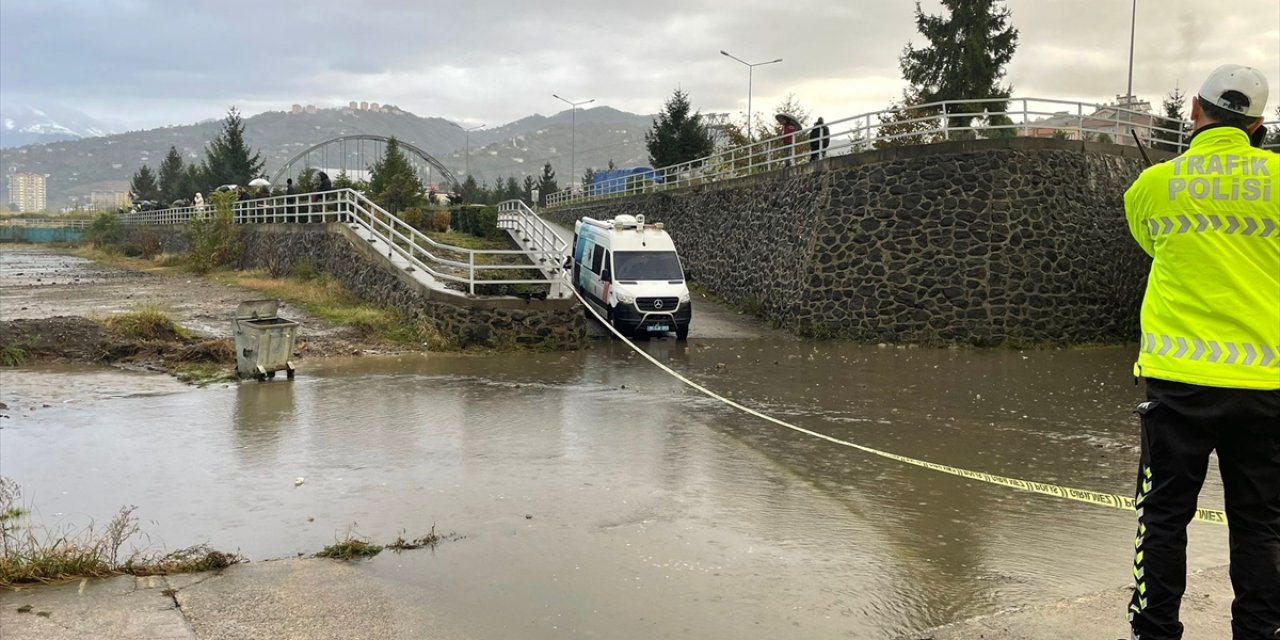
{"points": [[528, 229], [1026, 117], [347, 205], [46, 223]]}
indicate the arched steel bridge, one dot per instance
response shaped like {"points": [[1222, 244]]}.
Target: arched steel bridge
{"points": [[355, 154]]}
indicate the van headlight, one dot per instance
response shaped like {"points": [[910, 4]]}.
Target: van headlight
{"points": [[684, 297], [624, 298]]}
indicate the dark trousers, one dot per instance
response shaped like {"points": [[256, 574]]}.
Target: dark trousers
{"points": [[1181, 425]]}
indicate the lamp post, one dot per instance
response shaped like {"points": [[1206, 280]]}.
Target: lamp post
{"points": [[1133, 27], [467, 132], [751, 68], [573, 137]]}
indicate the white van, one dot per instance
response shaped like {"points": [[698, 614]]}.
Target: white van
{"points": [[629, 272]]}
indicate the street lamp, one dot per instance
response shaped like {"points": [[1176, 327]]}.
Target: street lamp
{"points": [[467, 158], [1133, 27], [750, 68], [573, 137]]}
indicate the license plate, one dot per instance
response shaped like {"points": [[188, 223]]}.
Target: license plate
{"points": [[659, 327]]}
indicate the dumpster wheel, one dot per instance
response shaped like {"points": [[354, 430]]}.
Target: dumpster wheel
{"points": [[289, 371], [260, 374]]}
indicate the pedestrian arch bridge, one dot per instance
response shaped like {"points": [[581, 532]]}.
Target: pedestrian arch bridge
{"points": [[355, 154]]}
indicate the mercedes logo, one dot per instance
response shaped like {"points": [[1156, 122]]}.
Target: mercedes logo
{"points": [[657, 304]]}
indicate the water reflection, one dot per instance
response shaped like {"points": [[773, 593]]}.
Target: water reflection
{"points": [[263, 412]]}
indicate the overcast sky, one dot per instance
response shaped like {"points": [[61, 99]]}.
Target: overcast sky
{"points": [[144, 63]]}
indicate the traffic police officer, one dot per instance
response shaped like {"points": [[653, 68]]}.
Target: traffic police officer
{"points": [[1210, 354]]}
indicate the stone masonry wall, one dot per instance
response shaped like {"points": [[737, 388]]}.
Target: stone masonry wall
{"points": [[337, 251], [977, 242]]}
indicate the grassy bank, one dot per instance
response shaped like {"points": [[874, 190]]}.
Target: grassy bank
{"points": [[148, 333], [327, 298], [147, 321], [144, 336], [162, 263], [30, 552], [306, 287]]}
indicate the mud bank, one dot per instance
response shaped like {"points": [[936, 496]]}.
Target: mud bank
{"points": [[53, 304]]}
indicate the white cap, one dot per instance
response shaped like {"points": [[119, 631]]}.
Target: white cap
{"points": [[1247, 81]]}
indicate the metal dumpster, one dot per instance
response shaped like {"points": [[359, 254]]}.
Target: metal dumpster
{"points": [[264, 340]]}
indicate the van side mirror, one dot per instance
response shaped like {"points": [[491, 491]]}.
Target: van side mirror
{"points": [[606, 276]]}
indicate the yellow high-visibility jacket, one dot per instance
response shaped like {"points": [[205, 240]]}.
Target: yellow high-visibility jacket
{"points": [[1210, 219]]}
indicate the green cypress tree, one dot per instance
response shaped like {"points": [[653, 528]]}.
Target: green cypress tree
{"points": [[192, 182], [343, 181], [678, 134], [393, 183], [228, 158], [968, 47], [546, 184], [1172, 127], [170, 179], [306, 181], [499, 191], [471, 190], [143, 186], [511, 190], [906, 123], [529, 185]]}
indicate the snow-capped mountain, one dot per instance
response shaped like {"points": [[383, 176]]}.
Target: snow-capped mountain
{"points": [[22, 124]]}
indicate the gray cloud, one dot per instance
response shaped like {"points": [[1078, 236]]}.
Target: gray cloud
{"points": [[156, 61]]}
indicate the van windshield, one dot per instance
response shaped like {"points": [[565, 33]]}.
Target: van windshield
{"points": [[646, 265]]}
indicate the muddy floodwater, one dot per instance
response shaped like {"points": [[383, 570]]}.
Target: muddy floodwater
{"points": [[600, 498]]}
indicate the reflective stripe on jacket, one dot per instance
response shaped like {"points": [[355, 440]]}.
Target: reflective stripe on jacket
{"points": [[1210, 219]]}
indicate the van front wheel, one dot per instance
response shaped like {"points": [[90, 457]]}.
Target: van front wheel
{"points": [[614, 323], [682, 333]]}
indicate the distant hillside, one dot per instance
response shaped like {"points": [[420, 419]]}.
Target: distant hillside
{"points": [[24, 124], [522, 147], [75, 167]]}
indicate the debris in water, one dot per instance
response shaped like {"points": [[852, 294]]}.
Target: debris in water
{"points": [[299, 481]]}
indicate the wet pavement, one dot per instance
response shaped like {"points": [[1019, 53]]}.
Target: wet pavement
{"points": [[600, 498]]}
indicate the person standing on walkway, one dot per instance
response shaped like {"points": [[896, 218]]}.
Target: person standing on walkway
{"points": [[1210, 354], [819, 140], [323, 185], [789, 129]]}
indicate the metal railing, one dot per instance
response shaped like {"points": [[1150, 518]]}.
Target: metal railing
{"points": [[906, 126], [46, 223], [543, 245], [444, 262]]}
